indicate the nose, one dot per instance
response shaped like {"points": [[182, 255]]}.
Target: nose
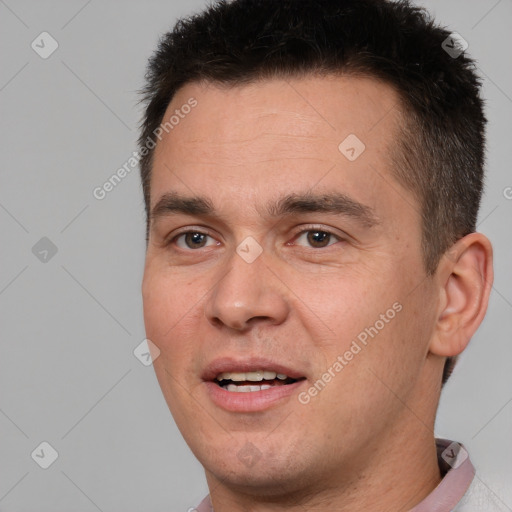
{"points": [[246, 294]]}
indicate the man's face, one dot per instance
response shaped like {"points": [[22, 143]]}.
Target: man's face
{"points": [[264, 282]]}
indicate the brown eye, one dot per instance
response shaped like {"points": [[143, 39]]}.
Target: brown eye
{"points": [[192, 240], [317, 238]]}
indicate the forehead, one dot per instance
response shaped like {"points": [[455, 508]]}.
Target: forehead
{"points": [[322, 107], [280, 135]]}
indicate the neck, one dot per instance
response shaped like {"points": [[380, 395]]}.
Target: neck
{"points": [[397, 476]]}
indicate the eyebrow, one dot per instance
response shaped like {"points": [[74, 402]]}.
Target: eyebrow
{"points": [[334, 203]]}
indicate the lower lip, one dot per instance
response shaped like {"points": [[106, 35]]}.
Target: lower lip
{"points": [[251, 401]]}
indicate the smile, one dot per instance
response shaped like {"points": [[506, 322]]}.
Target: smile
{"points": [[251, 384], [245, 382]]}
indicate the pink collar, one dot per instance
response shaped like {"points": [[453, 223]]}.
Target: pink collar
{"points": [[454, 461]]}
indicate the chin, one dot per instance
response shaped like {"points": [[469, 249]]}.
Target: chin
{"points": [[259, 482], [256, 473]]}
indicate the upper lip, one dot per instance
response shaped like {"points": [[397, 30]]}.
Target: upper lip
{"points": [[251, 364]]}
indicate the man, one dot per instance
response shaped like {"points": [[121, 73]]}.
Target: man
{"points": [[312, 172]]}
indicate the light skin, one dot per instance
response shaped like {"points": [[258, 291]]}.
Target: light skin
{"points": [[365, 442]]}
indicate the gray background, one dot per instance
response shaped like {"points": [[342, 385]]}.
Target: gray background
{"points": [[69, 324]]}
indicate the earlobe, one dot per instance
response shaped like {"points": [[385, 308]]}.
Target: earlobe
{"points": [[465, 276]]}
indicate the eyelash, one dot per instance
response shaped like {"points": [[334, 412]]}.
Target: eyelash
{"points": [[306, 229]]}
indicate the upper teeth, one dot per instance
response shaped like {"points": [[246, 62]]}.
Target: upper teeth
{"points": [[251, 376]]}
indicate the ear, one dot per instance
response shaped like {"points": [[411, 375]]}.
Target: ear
{"points": [[464, 277]]}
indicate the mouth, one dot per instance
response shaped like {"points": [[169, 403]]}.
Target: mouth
{"points": [[250, 385], [253, 381]]}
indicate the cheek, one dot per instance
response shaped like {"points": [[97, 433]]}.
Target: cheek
{"points": [[166, 316], [344, 301], [155, 299], [164, 294], [370, 327], [174, 317], [168, 304]]}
